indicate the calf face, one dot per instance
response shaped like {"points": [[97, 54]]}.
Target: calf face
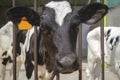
{"points": [[60, 22]]}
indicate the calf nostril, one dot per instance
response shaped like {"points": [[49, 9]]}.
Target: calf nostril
{"points": [[75, 64], [58, 63]]}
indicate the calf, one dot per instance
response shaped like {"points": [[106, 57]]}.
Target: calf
{"points": [[24, 37], [5, 47], [58, 34], [6, 41], [111, 50]]}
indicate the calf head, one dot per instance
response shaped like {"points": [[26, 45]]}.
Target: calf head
{"points": [[59, 23]]}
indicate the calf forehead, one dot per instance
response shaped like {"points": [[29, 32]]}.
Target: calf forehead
{"points": [[62, 8]]}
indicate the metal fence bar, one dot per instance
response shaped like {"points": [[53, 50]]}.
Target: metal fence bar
{"points": [[102, 45], [80, 51], [13, 3], [35, 46], [57, 76], [35, 5], [35, 54], [14, 52], [14, 46]]}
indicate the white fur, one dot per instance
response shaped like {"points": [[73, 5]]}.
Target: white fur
{"points": [[42, 70], [5, 45], [27, 40], [6, 37], [48, 75], [94, 52], [28, 37], [62, 8]]}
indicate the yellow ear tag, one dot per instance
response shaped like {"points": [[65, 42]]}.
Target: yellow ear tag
{"points": [[24, 24]]}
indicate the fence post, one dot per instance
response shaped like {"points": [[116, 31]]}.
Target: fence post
{"points": [[102, 47], [35, 46], [14, 52], [14, 46], [102, 44], [80, 51]]}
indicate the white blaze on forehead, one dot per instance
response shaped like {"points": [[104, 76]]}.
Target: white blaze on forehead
{"points": [[62, 8]]}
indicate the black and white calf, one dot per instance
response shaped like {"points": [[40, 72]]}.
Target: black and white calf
{"points": [[111, 50], [59, 23], [6, 40], [5, 47]]}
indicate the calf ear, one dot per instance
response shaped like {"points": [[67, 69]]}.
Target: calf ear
{"points": [[92, 13], [15, 14]]}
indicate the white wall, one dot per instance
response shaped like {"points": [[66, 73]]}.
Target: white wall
{"points": [[113, 17]]}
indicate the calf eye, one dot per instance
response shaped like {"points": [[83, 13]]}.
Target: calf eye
{"points": [[46, 29], [77, 29], [59, 64], [74, 28]]}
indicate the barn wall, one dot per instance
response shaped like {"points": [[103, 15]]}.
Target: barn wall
{"points": [[113, 17], [3, 18]]}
